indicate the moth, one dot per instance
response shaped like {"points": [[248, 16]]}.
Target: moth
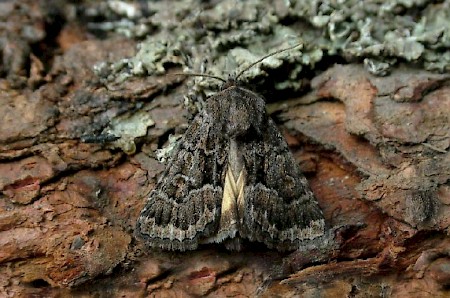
{"points": [[231, 179]]}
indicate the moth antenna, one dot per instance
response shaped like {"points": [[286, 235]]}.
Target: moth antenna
{"points": [[266, 56], [200, 75]]}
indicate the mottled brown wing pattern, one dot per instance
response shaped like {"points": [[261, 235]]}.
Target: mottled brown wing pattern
{"points": [[280, 209], [185, 205]]}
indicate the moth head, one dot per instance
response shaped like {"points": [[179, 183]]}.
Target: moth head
{"points": [[230, 82]]}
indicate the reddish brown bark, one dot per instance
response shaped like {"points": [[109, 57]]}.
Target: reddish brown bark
{"points": [[375, 150]]}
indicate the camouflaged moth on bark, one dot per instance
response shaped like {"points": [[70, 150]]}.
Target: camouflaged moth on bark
{"points": [[230, 178]]}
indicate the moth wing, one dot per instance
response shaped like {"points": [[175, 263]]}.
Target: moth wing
{"points": [[279, 208], [185, 205]]}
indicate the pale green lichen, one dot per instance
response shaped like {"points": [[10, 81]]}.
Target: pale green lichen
{"points": [[382, 32], [164, 153], [128, 128], [221, 39]]}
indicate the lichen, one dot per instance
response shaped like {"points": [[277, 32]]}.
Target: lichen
{"points": [[128, 128], [221, 39]]}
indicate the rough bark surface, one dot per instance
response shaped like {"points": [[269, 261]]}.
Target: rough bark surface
{"points": [[375, 150]]}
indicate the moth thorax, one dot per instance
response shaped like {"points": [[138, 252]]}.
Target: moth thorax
{"points": [[229, 83], [240, 128], [244, 121]]}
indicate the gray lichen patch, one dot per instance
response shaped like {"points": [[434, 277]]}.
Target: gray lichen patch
{"points": [[385, 32], [164, 153], [220, 39], [128, 128]]}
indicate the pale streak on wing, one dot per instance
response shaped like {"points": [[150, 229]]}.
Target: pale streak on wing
{"points": [[233, 193], [232, 210], [240, 198], [233, 198]]}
